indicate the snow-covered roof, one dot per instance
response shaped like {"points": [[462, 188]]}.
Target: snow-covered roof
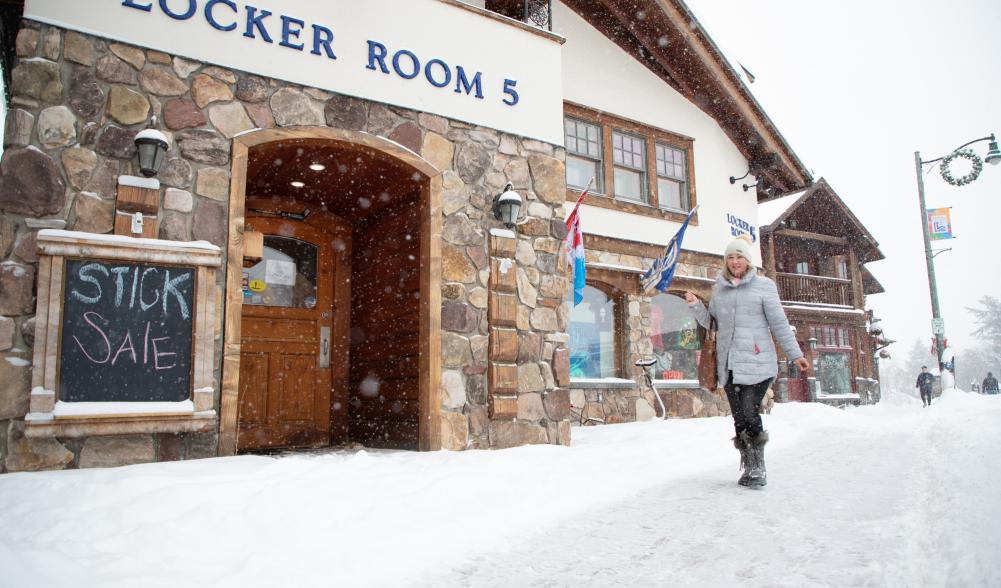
{"points": [[769, 212]]}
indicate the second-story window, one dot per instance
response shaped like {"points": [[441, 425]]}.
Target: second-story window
{"points": [[583, 154], [803, 267], [672, 178], [639, 169], [630, 166]]}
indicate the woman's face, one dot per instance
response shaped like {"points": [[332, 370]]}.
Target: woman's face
{"points": [[737, 265]]}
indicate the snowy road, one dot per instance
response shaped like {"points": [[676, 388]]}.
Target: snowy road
{"points": [[911, 500], [893, 495]]}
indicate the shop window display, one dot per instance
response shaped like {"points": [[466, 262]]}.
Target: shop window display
{"points": [[592, 336], [676, 338]]}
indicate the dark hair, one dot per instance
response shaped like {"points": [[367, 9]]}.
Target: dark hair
{"points": [[924, 367]]}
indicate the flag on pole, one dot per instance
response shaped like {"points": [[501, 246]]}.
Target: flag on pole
{"points": [[575, 248], [661, 273], [939, 224]]}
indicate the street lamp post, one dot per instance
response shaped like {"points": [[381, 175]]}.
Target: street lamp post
{"points": [[993, 157]]}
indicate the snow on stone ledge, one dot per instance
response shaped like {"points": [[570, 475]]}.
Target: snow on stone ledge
{"points": [[609, 383], [126, 240], [502, 233], [615, 267], [80, 409], [137, 182]]}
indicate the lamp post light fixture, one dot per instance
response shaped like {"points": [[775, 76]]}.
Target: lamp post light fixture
{"points": [[993, 157], [506, 206], [152, 147]]}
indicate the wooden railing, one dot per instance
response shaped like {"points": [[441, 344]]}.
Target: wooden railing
{"points": [[814, 289]]}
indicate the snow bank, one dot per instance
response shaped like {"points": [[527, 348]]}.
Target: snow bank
{"points": [[387, 518]]}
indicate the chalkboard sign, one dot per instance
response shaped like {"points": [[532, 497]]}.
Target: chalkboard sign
{"points": [[126, 332]]}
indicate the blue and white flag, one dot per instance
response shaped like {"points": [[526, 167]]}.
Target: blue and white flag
{"points": [[661, 273]]}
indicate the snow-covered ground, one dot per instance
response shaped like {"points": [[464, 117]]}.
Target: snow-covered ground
{"points": [[891, 495]]}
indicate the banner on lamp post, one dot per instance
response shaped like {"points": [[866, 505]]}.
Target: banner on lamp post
{"points": [[939, 224]]}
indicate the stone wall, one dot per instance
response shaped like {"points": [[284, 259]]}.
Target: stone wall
{"points": [[77, 103]]}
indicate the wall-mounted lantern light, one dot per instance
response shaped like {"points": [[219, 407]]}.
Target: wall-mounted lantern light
{"points": [[812, 342], [506, 206], [152, 147], [875, 327]]}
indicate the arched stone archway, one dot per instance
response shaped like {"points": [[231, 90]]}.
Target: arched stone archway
{"points": [[430, 196]]}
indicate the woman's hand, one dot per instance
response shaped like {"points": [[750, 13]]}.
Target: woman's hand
{"points": [[802, 364], [690, 298]]}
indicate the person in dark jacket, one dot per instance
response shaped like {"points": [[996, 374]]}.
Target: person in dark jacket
{"points": [[924, 384], [990, 385], [748, 314]]}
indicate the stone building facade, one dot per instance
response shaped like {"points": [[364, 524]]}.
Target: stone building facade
{"points": [[77, 102]]}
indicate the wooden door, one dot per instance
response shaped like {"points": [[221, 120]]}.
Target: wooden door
{"points": [[286, 338], [799, 386]]}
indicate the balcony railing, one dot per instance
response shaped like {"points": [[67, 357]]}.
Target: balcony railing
{"points": [[814, 289], [538, 13]]}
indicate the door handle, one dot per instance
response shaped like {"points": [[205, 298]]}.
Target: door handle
{"points": [[324, 359]]}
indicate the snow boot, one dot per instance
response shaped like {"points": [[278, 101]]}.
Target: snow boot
{"points": [[740, 445], [757, 476]]}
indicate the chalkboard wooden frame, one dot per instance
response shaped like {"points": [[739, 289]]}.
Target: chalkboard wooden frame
{"points": [[48, 415]]}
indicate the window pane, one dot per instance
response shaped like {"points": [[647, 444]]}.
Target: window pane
{"points": [[579, 171], [628, 184], [671, 194], [285, 276], [834, 373], [671, 162], [676, 338], [592, 336], [582, 138], [802, 267], [629, 151]]}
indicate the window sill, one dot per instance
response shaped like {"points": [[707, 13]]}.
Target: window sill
{"points": [[601, 383], [676, 384], [630, 206]]}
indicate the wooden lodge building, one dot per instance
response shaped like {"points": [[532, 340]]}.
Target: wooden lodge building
{"points": [[319, 256], [816, 250]]}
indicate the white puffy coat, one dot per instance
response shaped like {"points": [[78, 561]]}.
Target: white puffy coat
{"points": [[748, 315]]}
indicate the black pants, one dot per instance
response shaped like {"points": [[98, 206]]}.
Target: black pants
{"points": [[925, 395], [745, 404]]}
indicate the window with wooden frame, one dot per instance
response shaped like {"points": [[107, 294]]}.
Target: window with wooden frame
{"points": [[637, 168], [596, 334], [629, 166], [672, 178], [583, 141]]}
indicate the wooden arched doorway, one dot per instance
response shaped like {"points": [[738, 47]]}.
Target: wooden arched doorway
{"points": [[366, 212]]}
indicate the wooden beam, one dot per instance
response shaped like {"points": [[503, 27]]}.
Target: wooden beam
{"points": [[811, 236]]}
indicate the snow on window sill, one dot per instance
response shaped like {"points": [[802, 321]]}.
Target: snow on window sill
{"points": [[118, 409], [676, 384], [606, 383]]}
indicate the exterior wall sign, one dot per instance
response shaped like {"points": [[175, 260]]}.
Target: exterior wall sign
{"points": [[429, 55], [739, 226]]}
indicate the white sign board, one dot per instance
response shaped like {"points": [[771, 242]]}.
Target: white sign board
{"points": [[429, 55], [938, 326]]}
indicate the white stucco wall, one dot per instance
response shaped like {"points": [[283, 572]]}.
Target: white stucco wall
{"points": [[600, 75]]}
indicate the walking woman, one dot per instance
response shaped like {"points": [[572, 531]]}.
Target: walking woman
{"points": [[748, 313]]}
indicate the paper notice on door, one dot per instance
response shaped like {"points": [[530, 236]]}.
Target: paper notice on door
{"points": [[279, 273]]}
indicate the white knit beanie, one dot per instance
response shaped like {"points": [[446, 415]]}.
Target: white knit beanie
{"points": [[739, 246]]}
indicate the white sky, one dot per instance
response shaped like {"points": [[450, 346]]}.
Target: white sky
{"points": [[856, 88]]}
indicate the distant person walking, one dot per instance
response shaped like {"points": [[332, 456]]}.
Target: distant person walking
{"points": [[990, 384], [748, 313], [924, 384], [975, 387]]}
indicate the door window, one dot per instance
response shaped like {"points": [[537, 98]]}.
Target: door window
{"points": [[285, 276]]}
